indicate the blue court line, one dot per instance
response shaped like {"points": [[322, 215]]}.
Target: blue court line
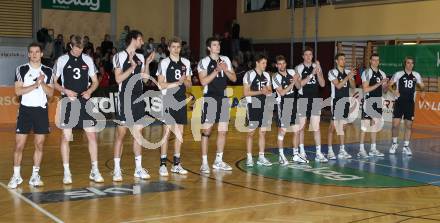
{"points": [[423, 167]]}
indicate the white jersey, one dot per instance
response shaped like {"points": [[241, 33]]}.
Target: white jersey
{"points": [[28, 76]]}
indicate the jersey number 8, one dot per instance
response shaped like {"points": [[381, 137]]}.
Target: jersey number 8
{"points": [[177, 74]]}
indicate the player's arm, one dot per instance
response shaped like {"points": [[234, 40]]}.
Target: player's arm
{"points": [[227, 69], [320, 76], [306, 80], [206, 78], [58, 87], [391, 83], [164, 85], [248, 92], [351, 78], [187, 81], [95, 83], [145, 74], [20, 90], [47, 87], [122, 76]]}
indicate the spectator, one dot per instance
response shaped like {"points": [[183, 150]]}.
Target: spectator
{"points": [[149, 47], [235, 36], [68, 47], [160, 54], [122, 37], [226, 45], [58, 48], [164, 45], [185, 52], [47, 43], [88, 46], [106, 44], [98, 52]]}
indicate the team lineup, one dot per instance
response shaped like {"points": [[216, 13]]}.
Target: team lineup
{"points": [[293, 93]]}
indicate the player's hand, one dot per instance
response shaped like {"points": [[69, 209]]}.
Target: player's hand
{"points": [[40, 79], [150, 58], [222, 66], [397, 94], [182, 79], [384, 81], [145, 75], [86, 95], [352, 73], [422, 96], [130, 58], [70, 94]]}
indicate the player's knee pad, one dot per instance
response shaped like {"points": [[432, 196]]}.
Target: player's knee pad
{"points": [[280, 136]]}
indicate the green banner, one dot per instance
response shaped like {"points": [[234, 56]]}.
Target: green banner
{"points": [[427, 58], [77, 5]]}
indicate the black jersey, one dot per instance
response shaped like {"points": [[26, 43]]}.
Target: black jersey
{"points": [[256, 82], [75, 72], [122, 61], [311, 89], [373, 77], [335, 74], [173, 71], [280, 80], [217, 87], [406, 84]]}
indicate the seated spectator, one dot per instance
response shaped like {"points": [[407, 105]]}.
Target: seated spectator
{"points": [[88, 46], [149, 47], [59, 47], [160, 54], [107, 44]]}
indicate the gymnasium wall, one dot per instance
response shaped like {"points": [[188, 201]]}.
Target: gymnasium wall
{"points": [[366, 22], [93, 24], [153, 18]]}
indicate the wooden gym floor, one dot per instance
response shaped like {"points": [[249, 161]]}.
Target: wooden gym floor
{"points": [[392, 189]]}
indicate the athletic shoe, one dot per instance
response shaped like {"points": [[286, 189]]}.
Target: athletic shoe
{"points": [[320, 158], [220, 165], [163, 171], [67, 179], [178, 169], [282, 160], [262, 161], [375, 152], [249, 162], [331, 155], [36, 180], [14, 182], [393, 148], [117, 175], [407, 151], [297, 158], [343, 154], [303, 154], [141, 173], [96, 176], [205, 169], [362, 154]]}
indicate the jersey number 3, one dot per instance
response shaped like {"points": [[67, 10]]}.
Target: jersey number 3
{"points": [[77, 73]]}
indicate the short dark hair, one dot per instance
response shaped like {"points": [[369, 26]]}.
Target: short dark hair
{"points": [[133, 34], [210, 40], [339, 55], [260, 57], [175, 40], [408, 58], [308, 49], [374, 55], [280, 58], [35, 44], [77, 41]]}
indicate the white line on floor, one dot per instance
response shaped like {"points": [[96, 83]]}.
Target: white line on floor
{"points": [[31, 203]]}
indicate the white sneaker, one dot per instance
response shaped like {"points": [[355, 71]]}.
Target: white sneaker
{"points": [[141, 173], [320, 158], [297, 158], [303, 154], [282, 160], [96, 176], [249, 162], [117, 175], [362, 154], [331, 155], [36, 180], [220, 165], [67, 179], [14, 182], [205, 169], [262, 161], [393, 148], [375, 152], [178, 169], [407, 151], [163, 171], [343, 154]]}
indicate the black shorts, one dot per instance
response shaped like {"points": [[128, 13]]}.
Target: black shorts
{"points": [[404, 109], [313, 107], [174, 115], [215, 110], [342, 111], [136, 113], [32, 118], [371, 109], [284, 119], [77, 118], [256, 118]]}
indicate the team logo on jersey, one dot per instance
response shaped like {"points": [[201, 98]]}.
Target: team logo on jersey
{"points": [[172, 68], [69, 67]]}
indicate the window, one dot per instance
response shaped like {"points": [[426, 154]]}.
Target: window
{"points": [[16, 18], [309, 3], [261, 5]]}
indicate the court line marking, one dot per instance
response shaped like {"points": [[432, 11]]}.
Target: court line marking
{"points": [[250, 206], [31, 203], [400, 168]]}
